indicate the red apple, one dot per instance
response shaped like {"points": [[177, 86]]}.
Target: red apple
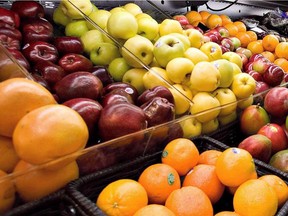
{"points": [[245, 51], [273, 76], [260, 65], [73, 62], [10, 42], [248, 66], [68, 44], [28, 9], [244, 59], [255, 56], [20, 58], [277, 136], [130, 89], [214, 35], [280, 160], [257, 76], [258, 145], [182, 19], [227, 42], [11, 32], [103, 74], [118, 95], [222, 30], [10, 17]]}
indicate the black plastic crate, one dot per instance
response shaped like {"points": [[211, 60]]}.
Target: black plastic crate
{"points": [[84, 191]]}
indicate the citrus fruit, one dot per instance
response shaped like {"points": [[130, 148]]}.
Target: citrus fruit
{"points": [[283, 63], [253, 35], [209, 157], [181, 154], [8, 158], [7, 192], [255, 197], [159, 180], [189, 201], [281, 50], [193, 17], [255, 47], [204, 177], [19, 96], [244, 38], [225, 19], [232, 29], [279, 185], [270, 42], [213, 21], [154, 209], [122, 197], [37, 183], [235, 166], [49, 132], [240, 26], [268, 55], [227, 213], [204, 15]]}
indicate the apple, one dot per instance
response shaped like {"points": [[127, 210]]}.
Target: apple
{"points": [[191, 126], [17, 54], [168, 26], [138, 51], [148, 28], [89, 38], [279, 160], [227, 99], [257, 76], [195, 37], [256, 114], [210, 126], [98, 18], [276, 101], [236, 69], [236, 42], [223, 31], [134, 76], [39, 79], [182, 98], [245, 51], [228, 43], [182, 19], [277, 136], [185, 40], [244, 59], [233, 57], [79, 84], [68, 44], [214, 35], [117, 9], [248, 66], [76, 28], [71, 8], [117, 68], [245, 102], [212, 50], [28, 9], [122, 25], [75, 62], [166, 48], [285, 78], [226, 72], [205, 107], [179, 68], [133, 8], [118, 95], [255, 57], [258, 145], [260, 65], [11, 32], [10, 17], [59, 17], [273, 76], [227, 119], [120, 119], [156, 76], [103, 53], [243, 85], [130, 89], [103, 74], [261, 90], [88, 109], [205, 72], [195, 55]]}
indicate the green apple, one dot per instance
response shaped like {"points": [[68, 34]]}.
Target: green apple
{"points": [[72, 8], [243, 85], [89, 38], [185, 40], [245, 102], [191, 126], [195, 37], [59, 17], [205, 107], [210, 126], [227, 99], [226, 119], [103, 53], [233, 57], [182, 98], [156, 76], [122, 25], [148, 27], [117, 68], [134, 76], [98, 17], [76, 28], [179, 68], [195, 55], [205, 77], [166, 48], [138, 51], [226, 71], [212, 50], [133, 8], [168, 26]]}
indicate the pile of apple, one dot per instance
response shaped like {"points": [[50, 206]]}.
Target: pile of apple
{"points": [[265, 129]]}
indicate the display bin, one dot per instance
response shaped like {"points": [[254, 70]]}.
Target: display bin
{"points": [[84, 191]]}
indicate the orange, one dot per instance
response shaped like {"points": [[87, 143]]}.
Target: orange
{"points": [[209, 157], [255, 47], [279, 185], [227, 213], [8, 156], [204, 15], [232, 29], [49, 132], [122, 197], [283, 63], [253, 35], [154, 209], [235, 166], [281, 50], [213, 21], [7, 192], [19, 96], [189, 201], [269, 55], [255, 197], [181, 154], [36, 183], [193, 17], [270, 42], [240, 26], [244, 38], [204, 177], [159, 180], [225, 19]]}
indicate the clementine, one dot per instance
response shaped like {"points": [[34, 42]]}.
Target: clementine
{"points": [[283, 63], [7, 192], [281, 50], [154, 209], [209, 157], [213, 21], [8, 158], [270, 42]]}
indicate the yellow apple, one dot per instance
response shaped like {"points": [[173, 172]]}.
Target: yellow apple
{"points": [[98, 17], [195, 55], [212, 50], [117, 9], [205, 77], [156, 76], [182, 98], [226, 71], [191, 126], [134, 76], [148, 27], [142, 15], [168, 26], [236, 69], [245, 102], [233, 57], [205, 107], [226, 119], [195, 37], [243, 85], [183, 38], [179, 68], [210, 126], [227, 99], [88, 39], [132, 8], [71, 8]]}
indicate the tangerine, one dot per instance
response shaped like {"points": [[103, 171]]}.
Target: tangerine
{"points": [[270, 42], [253, 35], [240, 26], [213, 21], [154, 209], [227, 213], [9, 157], [281, 50], [204, 15], [244, 38], [255, 47], [193, 17], [7, 192], [209, 157], [232, 29], [225, 19], [283, 63]]}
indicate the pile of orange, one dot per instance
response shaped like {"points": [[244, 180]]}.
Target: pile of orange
{"points": [[214, 172]]}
